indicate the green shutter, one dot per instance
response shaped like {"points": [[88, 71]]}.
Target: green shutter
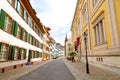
{"points": [[25, 54], [32, 40], [13, 23], [0, 46], [27, 35], [28, 38], [2, 18], [16, 27], [34, 54], [22, 33], [19, 55], [11, 54]]}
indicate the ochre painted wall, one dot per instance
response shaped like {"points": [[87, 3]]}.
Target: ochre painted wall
{"points": [[117, 12], [94, 15]]}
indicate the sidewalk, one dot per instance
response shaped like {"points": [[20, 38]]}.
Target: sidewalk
{"points": [[16, 73], [78, 69]]}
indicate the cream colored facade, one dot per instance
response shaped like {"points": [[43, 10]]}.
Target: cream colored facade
{"points": [[98, 19], [22, 35], [69, 47]]}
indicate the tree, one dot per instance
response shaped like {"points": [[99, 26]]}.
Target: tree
{"points": [[73, 54]]}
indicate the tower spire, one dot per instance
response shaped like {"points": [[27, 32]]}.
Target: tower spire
{"points": [[66, 38]]}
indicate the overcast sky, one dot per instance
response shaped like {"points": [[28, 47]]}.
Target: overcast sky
{"points": [[56, 14]]}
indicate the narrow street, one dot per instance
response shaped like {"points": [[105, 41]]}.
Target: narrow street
{"points": [[54, 70]]}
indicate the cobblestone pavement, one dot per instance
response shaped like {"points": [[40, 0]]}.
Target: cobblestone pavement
{"points": [[16, 73], [79, 71], [77, 68]]}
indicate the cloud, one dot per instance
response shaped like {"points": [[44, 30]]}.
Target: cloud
{"points": [[56, 14]]}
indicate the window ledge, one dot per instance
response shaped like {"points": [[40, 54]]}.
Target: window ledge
{"points": [[101, 46]]}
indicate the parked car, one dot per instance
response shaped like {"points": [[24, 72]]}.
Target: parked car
{"points": [[55, 56]]}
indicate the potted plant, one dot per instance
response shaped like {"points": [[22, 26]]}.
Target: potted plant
{"points": [[73, 54]]}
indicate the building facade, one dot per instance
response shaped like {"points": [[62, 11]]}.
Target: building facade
{"points": [[21, 35], [46, 43], [69, 47], [99, 20]]}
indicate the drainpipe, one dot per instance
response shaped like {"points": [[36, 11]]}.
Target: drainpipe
{"points": [[88, 15]]}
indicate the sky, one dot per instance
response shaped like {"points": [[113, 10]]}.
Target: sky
{"points": [[56, 14]]}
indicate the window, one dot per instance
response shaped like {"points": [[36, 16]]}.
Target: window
{"points": [[25, 36], [33, 41], [23, 54], [69, 44], [18, 32], [21, 12], [41, 45], [17, 6], [32, 55], [94, 2], [8, 24], [30, 39], [16, 53], [24, 15], [69, 49], [29, 22], [40, 54], [41, 35], [32, 24], [36, 29], [4, 49], [99, 32], [12, 2]]}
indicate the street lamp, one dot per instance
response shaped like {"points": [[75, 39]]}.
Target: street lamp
{"points": [[87, 65]]}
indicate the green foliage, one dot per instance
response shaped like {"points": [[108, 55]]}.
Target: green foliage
{"points": [[73, 54]]}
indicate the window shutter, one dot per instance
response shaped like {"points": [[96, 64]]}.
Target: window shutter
{"points": [[22, 33], [25, 54], [15, 28], [28, 38], [32, 40], [2, 18], [0, 46], [19, 55], [11, 54], [34, 54]]}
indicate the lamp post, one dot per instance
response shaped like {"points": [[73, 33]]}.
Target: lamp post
{"points": [[87, 65]]}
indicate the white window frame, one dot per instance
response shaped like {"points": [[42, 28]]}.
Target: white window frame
{"points": [[3, 52], [8, 24], [98, 35], [94, 8]]}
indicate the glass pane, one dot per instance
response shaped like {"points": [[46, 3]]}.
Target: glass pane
{"points": [[3, 52]]}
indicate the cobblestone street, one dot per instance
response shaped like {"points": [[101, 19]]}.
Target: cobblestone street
{"points": [[79, 71], [16, 73]]}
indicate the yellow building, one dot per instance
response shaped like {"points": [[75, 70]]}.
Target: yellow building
{"points": [[99, 19]]}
